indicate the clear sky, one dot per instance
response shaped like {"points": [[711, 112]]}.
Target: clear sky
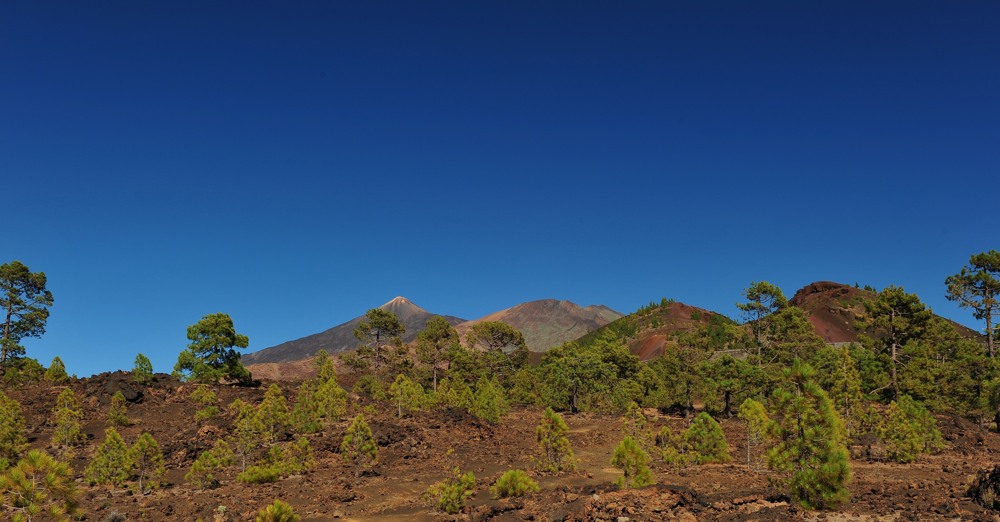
{"points": [[296, 163]]}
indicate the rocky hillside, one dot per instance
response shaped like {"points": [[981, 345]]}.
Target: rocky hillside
{"points": [[341, 338], [548, 323]]}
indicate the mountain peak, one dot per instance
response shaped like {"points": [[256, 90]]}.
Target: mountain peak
{"points": [[404, 308]]}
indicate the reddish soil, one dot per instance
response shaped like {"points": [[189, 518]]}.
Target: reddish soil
{"points": [[413, 454]]}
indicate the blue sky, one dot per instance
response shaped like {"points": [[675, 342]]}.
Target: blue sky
{"points": [[295, 163]]}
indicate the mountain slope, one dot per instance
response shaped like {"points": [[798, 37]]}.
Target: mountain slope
{"points": [[341, 337], [548, 323]]}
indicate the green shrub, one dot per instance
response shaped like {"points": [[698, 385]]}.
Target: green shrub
{"points": [[634, 463], [56, 372], [278, 511], [142, 372], [554, 451], [118, 414], [706, 441], [513, 483], [450, 495], [260, 474]]}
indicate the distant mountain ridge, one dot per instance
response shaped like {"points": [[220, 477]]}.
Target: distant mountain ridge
{"points": [[545, 324], [341, 338], [548, 323]]}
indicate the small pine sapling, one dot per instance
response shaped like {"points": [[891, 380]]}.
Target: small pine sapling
{"points": [[56, 373], [12, 439], [118, 414], [66, 417], [202, 472], [513, 483], [142, 371], [673, 448], [278, 511], [756, 419], [274, 414], [554, 451], [147, 458], [248, 431], [111, 465], [706, 441], [634, 463], [39, 485], [206, 398], [489, 402], [450, 495], [406, 394], [808, 441], [358, 447], [909, 430]]}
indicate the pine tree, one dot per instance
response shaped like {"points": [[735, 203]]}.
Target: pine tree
{"points": [[845, 392], [248, 431], [12, 439], [57, 372], [39, 486], [112, 464], [406, 394], [358, 447], [634, 422], [706, 440], [202, 472], [489, 402], [206, 398], [147, 457], [554, 452], [809, 441], [634, 462], [909, 430], [142, 372], [673, 449], [755, 416], [274, 414], [278, 511], [66, 417], [118, 414]]}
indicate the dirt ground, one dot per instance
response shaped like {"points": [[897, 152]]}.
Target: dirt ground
{"points": [[414, 453]]}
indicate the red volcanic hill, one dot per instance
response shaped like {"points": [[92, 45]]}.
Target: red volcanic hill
{"points": [[649, 330], [834, 310], [548, 323]]}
